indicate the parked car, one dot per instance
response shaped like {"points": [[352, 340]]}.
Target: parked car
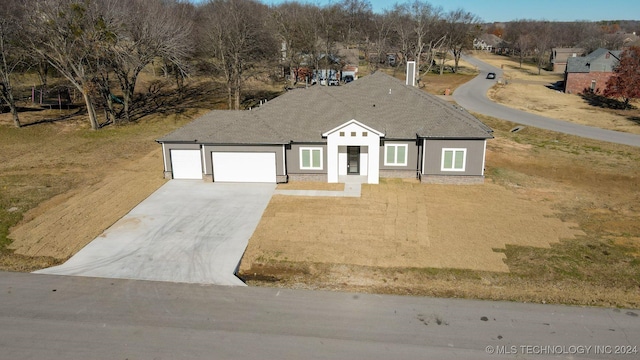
{"points": [[491, 75], [333, 82]]}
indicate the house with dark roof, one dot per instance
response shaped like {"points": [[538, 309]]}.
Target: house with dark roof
{"points": [[375, 127], [559, 57], [590, 72]]}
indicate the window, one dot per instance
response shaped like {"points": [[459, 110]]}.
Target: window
{"points": [[453, 159], [364, 134], [311, 158], [353, 134], [395, 154], [341, 133]]}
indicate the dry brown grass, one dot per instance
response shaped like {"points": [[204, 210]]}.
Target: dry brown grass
{"points": [[526, 90], [561, 216], [63, 183], [581, 194], [437, 84], [405, 224]]}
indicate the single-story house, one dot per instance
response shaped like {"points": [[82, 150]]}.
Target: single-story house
{"points": [[591, 72], [374, 127]]}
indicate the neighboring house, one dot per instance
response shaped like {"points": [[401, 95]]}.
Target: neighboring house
{"points": [[371, 128], [559, 57], [349, 70], [487, 42], [591, 72]]}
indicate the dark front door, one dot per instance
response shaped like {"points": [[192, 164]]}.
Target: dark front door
{"points": [[353, 160]]}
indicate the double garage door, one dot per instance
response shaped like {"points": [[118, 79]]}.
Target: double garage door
{"points": [[227, 166]]}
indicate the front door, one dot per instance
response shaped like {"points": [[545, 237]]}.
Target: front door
{"points": [[353, 160]]}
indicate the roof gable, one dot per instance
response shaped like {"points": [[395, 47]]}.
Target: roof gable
{"points": [[599, 60], [353, 122]]}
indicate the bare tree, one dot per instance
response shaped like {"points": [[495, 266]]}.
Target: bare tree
{"points": [[542, 41], [73, 35], [356, 15], [151, 29], [382, 31], [11, 54], [463, 27], [234, 33], [295, 33], [519, 34], [424, 36]]}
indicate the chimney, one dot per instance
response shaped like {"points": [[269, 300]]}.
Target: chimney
{"points": [[411, 73]]}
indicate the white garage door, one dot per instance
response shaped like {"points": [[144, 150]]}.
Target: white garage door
{"points": [[186, 164], [244, 167]]}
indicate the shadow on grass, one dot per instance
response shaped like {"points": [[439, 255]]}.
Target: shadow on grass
{"points": [[163, 98], [635, 119], [79, 111], [594, 99], [558, 85], [21, 109]]}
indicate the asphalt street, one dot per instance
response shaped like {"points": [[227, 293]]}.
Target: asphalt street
{"points": [[68, 317], [473, 97]]}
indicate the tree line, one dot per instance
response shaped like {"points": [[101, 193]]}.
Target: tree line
{"points": [[533, 39], [100, 45]]}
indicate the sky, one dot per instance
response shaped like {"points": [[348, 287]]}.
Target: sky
{"points": [[507, 10]]}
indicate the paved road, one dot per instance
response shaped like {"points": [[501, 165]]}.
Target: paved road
{"points": [[186, 231], [473, 97], [67, 317]]}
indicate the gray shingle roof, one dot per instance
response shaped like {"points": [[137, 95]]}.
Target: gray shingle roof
{"points": [[582, 64], [302, 115]]}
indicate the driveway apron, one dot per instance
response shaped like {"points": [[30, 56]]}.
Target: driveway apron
{"points": [[187, 231]]}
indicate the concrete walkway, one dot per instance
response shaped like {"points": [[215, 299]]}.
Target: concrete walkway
{"points": [[350, 190], [187, 231]]}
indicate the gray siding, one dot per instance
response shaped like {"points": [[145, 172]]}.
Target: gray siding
{"points": [[277, 149], [413, 156], [293, 159], [474, 158], [169, 147]]}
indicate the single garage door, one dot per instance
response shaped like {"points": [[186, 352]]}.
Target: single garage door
{"points": [[244, 167], [186, 164]]}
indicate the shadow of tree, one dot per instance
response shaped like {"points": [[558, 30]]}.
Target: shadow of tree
{"points": [[21, 109], [558, 85], [252, 99], [595, 99], [80, 111], [161, 98], [635, 119]]}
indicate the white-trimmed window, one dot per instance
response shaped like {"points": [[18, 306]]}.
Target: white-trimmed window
{"points": [[310, 158], [395, 154], [453, 159]]}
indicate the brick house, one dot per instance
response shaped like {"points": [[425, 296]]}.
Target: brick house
{"points": [[591, 72]]}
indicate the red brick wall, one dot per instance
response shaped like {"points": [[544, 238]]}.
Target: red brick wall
{"points": [[576, 83]]}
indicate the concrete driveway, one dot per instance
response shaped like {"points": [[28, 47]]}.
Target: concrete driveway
{"points": [[187, 231]]}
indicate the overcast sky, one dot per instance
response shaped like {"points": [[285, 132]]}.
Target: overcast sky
{"points": [[507, 10]]}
